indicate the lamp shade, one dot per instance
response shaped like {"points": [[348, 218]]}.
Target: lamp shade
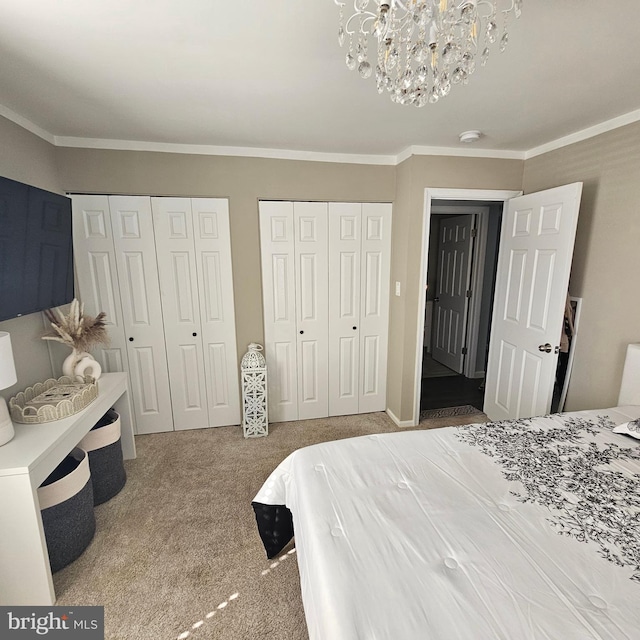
{"points": [[7, 367]]}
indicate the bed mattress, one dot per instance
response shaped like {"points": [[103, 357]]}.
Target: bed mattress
{"points": [[517, 530]]}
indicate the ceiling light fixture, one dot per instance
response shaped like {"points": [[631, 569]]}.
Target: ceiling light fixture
{"points": [[470, 136], [423, 46]]}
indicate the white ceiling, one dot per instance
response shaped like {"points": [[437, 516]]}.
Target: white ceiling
{"points": [[270, 75]]}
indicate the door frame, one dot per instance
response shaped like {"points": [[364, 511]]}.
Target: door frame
{"points": [[430, 194]]}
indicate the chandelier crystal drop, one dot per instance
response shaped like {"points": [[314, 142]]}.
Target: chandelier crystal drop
{"points": [[423, 46]]}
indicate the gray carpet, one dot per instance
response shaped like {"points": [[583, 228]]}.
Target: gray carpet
{"points": [[177, 554]]}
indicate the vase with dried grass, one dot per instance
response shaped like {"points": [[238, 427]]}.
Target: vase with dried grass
{"points": [[81, 333]]}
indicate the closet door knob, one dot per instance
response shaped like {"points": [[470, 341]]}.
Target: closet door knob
{"points": [[194, 334], [301, 332], [354, 328], [130, 339]]}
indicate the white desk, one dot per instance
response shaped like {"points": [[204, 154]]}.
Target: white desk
{"points": [[34, 452]]}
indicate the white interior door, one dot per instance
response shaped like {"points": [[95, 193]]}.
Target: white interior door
{"points": [[534, 263], [310, 223], [217, 309], [134, 243], [345, 238], [374, 305], [96, 273], [455, 244], [279, 300], [173, 227]]}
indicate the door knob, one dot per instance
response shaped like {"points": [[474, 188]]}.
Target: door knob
{"points": [[354, 328], [547, 348], [130, 339], [301, 332]]}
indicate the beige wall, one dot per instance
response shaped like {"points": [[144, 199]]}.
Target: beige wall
{"points": [[606, 260], [414, 176], [606, 245], [27, 158], [244, 181]]}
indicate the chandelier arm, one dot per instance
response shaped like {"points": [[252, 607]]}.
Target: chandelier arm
{"points": [[487, 3], [400, 4], [369, 16]]}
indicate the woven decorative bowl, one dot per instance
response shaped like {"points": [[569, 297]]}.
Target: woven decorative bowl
{"points": [[52, 400]]}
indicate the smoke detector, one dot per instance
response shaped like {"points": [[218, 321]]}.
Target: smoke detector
{"points": [[470, 136]]}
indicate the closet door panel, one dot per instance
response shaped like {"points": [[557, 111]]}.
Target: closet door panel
{"points": [[134, 243], [279, 300], [345, 225], [217, 361], [340, 257], [217, 312], [374, 319], [97, 277], [310, 222], [173, 227]]}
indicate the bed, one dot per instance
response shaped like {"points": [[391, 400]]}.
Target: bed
{"points": [[518, 529]]}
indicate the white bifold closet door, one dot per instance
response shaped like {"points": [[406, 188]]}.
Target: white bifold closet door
{"points": [[325, 271], [136, 261], [295, 282], [194, 267], [359, 264], [161, 270], [115, 258]]}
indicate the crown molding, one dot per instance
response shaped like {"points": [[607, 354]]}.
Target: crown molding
{"points": [[213, 150], [315, 156], [466, 152], [281, 154], [16, 118], [585, 134]]}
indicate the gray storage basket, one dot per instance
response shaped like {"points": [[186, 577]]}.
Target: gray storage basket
{"points": [[66, 506], [104, 446]]}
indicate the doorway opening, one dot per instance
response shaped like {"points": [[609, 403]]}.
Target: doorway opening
{"points": [[495, 201], [462, 255]]}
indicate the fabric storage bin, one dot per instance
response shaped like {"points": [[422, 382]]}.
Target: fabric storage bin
{"points": [[104, 447], [66, 506]]}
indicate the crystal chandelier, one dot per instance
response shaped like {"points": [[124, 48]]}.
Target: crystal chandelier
{"points": [[423, 46]]}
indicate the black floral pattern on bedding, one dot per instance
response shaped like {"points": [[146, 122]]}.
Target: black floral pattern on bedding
{"points": [[563, 469]]}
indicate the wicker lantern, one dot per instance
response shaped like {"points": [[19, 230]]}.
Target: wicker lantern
{"points": [[254, 392]]}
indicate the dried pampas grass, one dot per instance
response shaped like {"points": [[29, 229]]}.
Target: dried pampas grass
{"points": [[76, 330]]}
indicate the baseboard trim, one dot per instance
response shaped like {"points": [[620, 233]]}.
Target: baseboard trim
{"points": [[398, 422]]}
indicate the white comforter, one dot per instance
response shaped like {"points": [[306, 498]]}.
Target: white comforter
{"points": [[515, 530]]}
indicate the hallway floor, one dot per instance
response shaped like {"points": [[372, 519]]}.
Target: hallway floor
{"points": [[451, 390]]}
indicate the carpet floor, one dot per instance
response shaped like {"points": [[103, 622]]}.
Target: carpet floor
{"points": [[177, 554]]}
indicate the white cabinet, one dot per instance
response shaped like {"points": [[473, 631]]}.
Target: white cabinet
{"points": [[161, 270], [325, 274]]}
